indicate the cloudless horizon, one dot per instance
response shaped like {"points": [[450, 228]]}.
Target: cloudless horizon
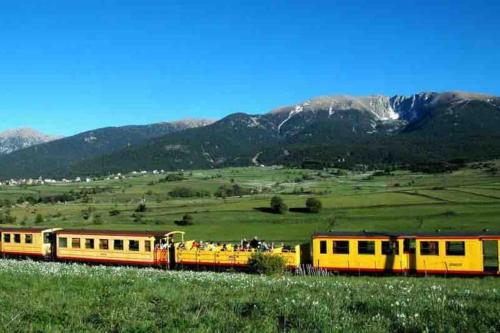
{"points": [[71, 66]]}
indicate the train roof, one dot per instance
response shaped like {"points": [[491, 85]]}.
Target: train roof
{"points": [[19, 229], [113, 232], [407, 234]]}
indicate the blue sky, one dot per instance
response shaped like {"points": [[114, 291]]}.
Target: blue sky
{"points": [[69, 66]]}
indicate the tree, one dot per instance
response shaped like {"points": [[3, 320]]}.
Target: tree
{"points": [[313, 205], [141, 208], [278, 206], [38, 218], [187, 219]]}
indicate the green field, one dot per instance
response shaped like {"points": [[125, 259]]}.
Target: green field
{"points": [[51, 297], [467, 199]]}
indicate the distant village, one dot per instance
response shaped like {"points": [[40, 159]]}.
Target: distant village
{"points": [[50, 181]]}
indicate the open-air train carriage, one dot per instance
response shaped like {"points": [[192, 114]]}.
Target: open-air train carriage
{"points": [[227, 256]]}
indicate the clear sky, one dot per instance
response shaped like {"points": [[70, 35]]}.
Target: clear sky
{"points": [[68, 66]]}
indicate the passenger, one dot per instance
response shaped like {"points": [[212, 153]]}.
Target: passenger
{"points": [[244, 243], [254, 243], [224, 247], [195, 245]]}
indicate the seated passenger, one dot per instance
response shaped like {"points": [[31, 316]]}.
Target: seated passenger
{"points": [[224, 247]]}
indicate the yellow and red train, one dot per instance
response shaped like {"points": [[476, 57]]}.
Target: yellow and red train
{"points": [[355, 252]]}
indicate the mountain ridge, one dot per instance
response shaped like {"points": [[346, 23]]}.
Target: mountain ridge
{"points": [[19, 138], [339, 130]]}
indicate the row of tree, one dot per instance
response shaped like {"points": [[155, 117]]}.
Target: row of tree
{"points": [[278, 205]]}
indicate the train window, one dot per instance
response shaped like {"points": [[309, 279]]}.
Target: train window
{"points": [[133, 245], [390, 248], [28, 238], [63, 242], [75, 243], [322, 247], [89, 243], [455, 248], [341, 247], [103, 244], [118, 244], [6, 238], [366, 247], [429, 248], [147, 246], [17, 238], [409, 245]]}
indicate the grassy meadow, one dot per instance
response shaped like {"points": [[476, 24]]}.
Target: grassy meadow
{"points": [[468, 199], [52, 297]]}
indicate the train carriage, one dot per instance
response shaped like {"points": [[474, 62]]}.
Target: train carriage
{"points": [[420, 253], [112, 247], [27, 242]]}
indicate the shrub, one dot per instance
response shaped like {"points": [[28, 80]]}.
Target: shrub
{"points": [[313, 205], [278, 206], [38, 218], [137, 218], [141, 208], [97, 219], [266, 263], [87, 213], [233, 190], [114, 212], [187, 219], [173, 177], [186, 192], [7, 218]]}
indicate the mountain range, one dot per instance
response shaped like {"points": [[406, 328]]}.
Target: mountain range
{"points": [[20, 138], [341, 131]]}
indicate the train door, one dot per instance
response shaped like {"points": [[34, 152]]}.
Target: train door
{"points": [[49, 244], [175, 239], [491, 256], [410, 254]]}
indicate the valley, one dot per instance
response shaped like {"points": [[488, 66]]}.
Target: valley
{"points": [[467, 199]]}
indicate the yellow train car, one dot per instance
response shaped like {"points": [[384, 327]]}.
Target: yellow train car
{"points": [[359, 252], [438, 253], [228, 257], [453, 254], [112, 247], [27, 242]]}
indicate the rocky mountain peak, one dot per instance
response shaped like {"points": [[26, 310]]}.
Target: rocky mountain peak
{"points": [[192, 122], [20, 138]]}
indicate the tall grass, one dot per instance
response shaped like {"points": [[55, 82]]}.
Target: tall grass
{"points": [[59, 297]]}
